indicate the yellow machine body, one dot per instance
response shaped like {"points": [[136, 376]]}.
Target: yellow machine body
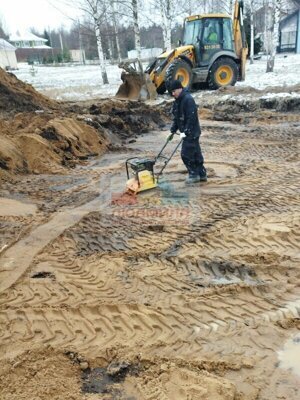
{"points": [[218, 62], [158, 78], [143, 180]]}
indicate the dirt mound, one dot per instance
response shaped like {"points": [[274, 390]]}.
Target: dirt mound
{"points": [[17, 96], [126, 118], [251, 90], [38, 135], [56, 144], [240, 104], [38, 375], [50, 141]]}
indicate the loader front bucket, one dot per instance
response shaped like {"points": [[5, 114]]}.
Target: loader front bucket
{"points": [[136, 85]]}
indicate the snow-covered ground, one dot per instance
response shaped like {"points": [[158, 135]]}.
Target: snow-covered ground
{"points": [[286, 72], [71, 82], [84, 82]]}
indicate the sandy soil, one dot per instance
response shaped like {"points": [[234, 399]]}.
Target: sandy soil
{"points": [[178, 293]]}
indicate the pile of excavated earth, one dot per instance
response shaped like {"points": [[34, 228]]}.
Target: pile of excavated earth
{"points": [[182, 292], [39, 135]]}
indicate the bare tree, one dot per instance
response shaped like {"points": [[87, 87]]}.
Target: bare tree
{"points": [[113, 5], [96, 10], [273, 16], [168, 12], [136, 27], [129, 9], [165, 10], [251, 32], [217, 6]]}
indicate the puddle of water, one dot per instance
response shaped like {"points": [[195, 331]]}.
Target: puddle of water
{"points": [[107, 160], [104, 380], [10, 207], [289, 357]]}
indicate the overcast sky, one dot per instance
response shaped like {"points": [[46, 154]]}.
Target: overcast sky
{"points": [[23, 14]]}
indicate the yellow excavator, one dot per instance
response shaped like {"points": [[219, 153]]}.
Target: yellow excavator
{"points": [[213, 51]]}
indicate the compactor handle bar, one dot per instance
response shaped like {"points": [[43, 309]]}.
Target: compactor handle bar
{"points": [[167, 159]]}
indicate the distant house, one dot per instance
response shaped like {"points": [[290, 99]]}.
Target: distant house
{"points": [[289, 39], [8, 59], [28, 40], [30, 47], [289, 26]]}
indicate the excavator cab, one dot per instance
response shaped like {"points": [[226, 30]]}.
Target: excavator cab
{"points": [[215, 36], [208, 36]]}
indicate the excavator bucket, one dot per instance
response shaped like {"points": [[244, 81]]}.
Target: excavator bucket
{"points": [[136, 85]]}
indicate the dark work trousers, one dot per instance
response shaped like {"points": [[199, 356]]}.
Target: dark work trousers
{"points": [[192, 157]]}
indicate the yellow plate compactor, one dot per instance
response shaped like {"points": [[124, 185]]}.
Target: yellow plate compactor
{"points": [[140, 171]]}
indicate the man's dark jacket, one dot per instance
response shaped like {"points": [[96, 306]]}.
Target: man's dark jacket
{"points": [[185, 116]]}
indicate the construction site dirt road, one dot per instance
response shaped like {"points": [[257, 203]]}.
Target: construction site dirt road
{"points": [[177, 293]]}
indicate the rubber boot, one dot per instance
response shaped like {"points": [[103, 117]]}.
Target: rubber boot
{"points": [[192, 179]]}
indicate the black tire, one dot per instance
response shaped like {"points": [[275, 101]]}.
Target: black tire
{"points": [[161, 89], [181, 70], [223, 72]]}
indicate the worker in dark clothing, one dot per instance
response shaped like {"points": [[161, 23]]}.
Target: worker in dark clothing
{"points": [[185, 119]]}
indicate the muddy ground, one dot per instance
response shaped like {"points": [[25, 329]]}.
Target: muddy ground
{"points": [[178, 293]]}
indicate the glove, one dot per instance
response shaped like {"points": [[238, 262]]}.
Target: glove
{"points": [[182, 135], [170, 137]]}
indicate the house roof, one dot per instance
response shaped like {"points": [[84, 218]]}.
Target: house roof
{"points": [[286, 19], [26, 36], [4, 45]]}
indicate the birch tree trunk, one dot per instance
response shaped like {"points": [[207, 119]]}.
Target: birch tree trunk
{"points": [[136, 28], [100, 49], [165, 9], [274, 40], [109, 37], [116, 33]]}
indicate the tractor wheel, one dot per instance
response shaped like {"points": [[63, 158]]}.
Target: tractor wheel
{"points": [[223, 72], [181, 70]]}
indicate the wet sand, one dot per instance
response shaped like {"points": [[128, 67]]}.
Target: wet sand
{"points": [[188, 292]]}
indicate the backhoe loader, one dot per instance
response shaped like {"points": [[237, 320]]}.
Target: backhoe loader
{"points": [[213, 51]]}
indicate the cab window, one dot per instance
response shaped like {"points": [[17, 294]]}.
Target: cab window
{"points": [[191, 32], [227, 35], [211, 32]]}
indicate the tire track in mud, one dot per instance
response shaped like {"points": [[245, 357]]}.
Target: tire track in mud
{"points": [[234, 313], [18, 258], [90, 329], [12, 266]]}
